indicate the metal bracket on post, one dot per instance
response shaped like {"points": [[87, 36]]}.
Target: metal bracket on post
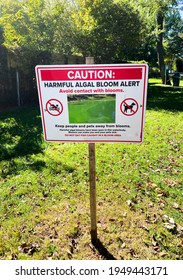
{"points": [[92, 179]]}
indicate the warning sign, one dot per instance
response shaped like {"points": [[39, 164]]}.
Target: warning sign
{"points": [[129, 106], [93, 103]]}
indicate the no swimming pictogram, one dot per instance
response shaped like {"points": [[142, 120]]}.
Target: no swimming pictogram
{"points": [[129, 107], [54, 107]]}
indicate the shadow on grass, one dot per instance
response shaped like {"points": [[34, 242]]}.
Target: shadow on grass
{"points": [[21, 136], [20, 133], [161, 97], [103, 251], [21, 130]]}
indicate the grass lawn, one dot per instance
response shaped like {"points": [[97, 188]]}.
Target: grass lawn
{"points": [[93, 110], [44, 189]]}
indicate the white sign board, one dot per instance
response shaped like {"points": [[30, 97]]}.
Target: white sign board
{"points": [[93, 103]]}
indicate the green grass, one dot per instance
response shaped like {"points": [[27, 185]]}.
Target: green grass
{"points": [[44, 189], [94, 110]]}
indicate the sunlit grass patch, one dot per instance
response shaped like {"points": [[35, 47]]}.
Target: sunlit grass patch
{"points": [[44, 190]]}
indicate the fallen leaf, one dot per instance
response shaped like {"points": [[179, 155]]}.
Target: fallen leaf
{"points": [[156, 248], [129, 202], [170, 226], [150, 204], [165, 218], [125, 214], [133, 253], [179, 230], [28, 249], [112, 220], [176, 206], [123, 245], [144, 227], [69, 253], [171, 220], [162, 254]]}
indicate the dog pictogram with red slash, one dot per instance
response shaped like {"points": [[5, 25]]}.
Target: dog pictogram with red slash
{"points": [[129, 106]]}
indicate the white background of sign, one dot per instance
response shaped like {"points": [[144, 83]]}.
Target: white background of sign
{"points": [[128, 126]]}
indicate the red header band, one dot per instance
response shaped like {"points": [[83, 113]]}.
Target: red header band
{"points": [[91, 74]]}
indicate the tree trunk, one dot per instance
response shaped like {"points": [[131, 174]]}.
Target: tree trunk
{"points": [[160, 49]]}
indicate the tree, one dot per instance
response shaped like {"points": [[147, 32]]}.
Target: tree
{"points": [[3, 64], [159, 11], [33, 31], [165, 8], [110, 31], [173, 36], [37, 29], [28, 32], [64, 29]]}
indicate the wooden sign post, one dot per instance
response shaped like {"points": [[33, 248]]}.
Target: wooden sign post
{"points": [[93, 208], [92, 180]]}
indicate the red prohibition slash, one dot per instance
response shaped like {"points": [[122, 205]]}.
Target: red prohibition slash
{"points": [[54, 107], [129, 107]]}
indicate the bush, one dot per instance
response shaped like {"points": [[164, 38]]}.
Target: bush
{"points": [[154, 72]]}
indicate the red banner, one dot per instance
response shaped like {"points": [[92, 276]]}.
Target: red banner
{"points": [[92, 74]]}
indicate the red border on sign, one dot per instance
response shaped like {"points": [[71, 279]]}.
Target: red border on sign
{"points": [[128, 107], [38, 70], [59, 112]]}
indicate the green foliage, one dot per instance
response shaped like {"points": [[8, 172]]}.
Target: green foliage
{"points": [[154, 72], [27, 24], [63, 28], [173, 35], [163, 32], [115, 30], [111, 31], [34, 30]]}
